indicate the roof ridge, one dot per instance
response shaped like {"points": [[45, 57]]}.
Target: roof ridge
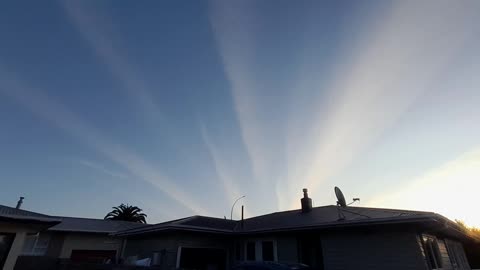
{"points": [[392, 209], [98, 219], [288, 211], [25, 211]]}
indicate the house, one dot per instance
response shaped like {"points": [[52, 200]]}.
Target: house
{"points": [[327, 237], [80, 239], [15, 226], [31, 238]]}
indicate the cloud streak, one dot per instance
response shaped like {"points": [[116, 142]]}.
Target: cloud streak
{"points": [[393, 64], [97, 31], [399, 55], [232, 25], [100, 168], [54, 112]]}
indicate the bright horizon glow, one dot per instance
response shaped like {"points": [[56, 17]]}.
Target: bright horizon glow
{"points": [[185, 108], [451, 190]]}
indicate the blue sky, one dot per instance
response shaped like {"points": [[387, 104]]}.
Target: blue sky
{"points": [[181, 107]]}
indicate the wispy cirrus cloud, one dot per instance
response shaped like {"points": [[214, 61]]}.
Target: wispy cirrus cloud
{"points": [[102, 169], [398, 56], [59, 115], [232, 24], [228, 180], [403, 55], [98, 31]]}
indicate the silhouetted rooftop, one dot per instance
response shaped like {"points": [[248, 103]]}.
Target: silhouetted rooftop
{"points": [[68, 224], [74, 224], [8, 213], [288, 220]]}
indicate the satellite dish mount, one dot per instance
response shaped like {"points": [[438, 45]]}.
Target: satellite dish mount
{"points": [[342, 203]]}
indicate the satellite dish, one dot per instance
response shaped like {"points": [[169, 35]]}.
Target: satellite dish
{"points": [[340, 198]]}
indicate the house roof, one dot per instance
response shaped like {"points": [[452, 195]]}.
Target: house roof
{"points": [[74, 224], [330, 215], [193, 223], [289, 220], [67, 224], [22, 216]]}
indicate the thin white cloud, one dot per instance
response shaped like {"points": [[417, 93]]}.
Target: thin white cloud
{"points": [[404, 56], [98, 32], [232, 24], [101, 168], [223, 171], [45, 107]]}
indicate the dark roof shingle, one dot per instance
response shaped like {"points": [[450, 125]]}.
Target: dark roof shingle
{"points": [[286, 220], [68, 224], [73, 224], [20, 215], [327, 215]]}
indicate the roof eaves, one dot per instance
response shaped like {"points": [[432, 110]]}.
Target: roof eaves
{"points": [[455, 227], [172, 228], [343, 224], [29, 219]]}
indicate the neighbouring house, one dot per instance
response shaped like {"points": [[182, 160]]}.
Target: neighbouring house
{"points": [[327, 237], [29, 238], [80, 239], [15, 226]]}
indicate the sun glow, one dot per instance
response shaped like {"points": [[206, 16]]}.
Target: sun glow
{"points": [[450, 190]]}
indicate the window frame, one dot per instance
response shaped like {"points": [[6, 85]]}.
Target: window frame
{"points": [[456, 253], [432, 252], [258, 248], [39, 248]]}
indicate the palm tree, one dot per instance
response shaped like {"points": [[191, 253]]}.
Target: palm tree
{"points": [[127, 212]]}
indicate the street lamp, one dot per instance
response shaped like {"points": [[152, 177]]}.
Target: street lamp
{"points": [[231, 212]]}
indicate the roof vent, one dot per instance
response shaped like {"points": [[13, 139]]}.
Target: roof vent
{"points": [[19, 203], [306, 202]]}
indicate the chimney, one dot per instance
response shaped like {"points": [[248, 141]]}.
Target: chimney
{"points": [[19, 203], [306, 202]]}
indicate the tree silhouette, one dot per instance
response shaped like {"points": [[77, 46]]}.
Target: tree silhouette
{"points": [[127, 212], [474, 231]]}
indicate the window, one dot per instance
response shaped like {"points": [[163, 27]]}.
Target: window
{"points": [[260, 250], [432, 252], [238, 251], [250, 251], [267, 251], [36, 244], [456, 254]]}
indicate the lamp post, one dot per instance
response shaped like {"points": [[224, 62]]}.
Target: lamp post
{"points": [[231, 212]]}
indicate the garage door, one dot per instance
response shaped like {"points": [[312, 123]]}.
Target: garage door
{"points": [[203, 258]]}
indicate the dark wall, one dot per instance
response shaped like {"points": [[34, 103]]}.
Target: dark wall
{"points": [[472, 250], [372, 250], [166, 246], [36, 263]]}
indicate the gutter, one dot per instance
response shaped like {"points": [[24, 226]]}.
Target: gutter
{"points": [[448, 224], [29, 220]]}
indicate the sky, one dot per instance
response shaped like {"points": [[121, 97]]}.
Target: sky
{"points": [[180, 107]]}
